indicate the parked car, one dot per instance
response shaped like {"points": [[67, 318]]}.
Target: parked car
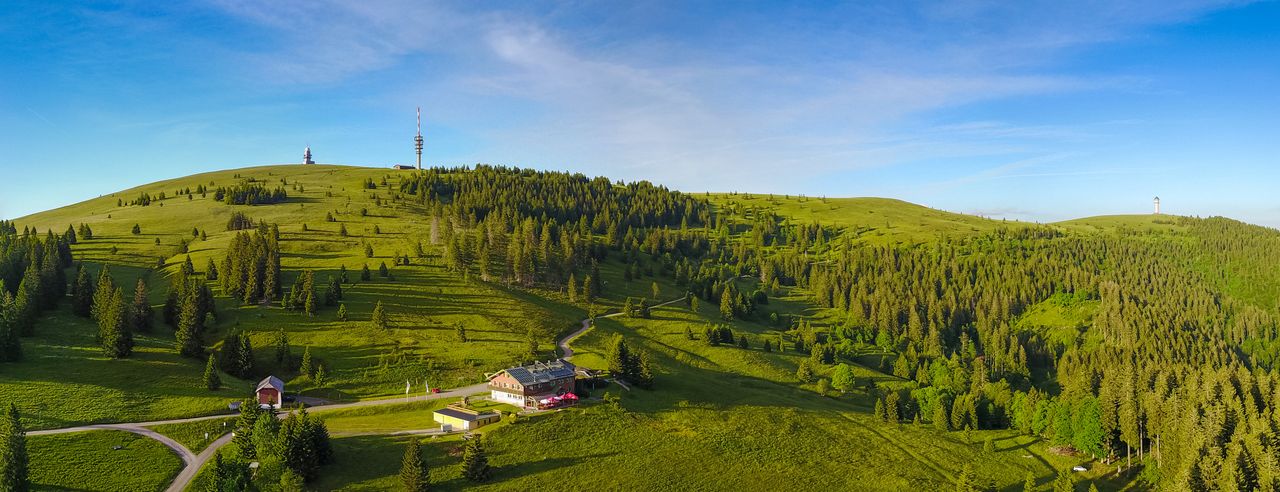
{"points": [[435, 390]]}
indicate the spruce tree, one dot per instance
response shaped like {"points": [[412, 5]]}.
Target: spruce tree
{"points": [[10, 341], [23, 313], [379, 318], [244, 356], [644, 373], [414, 475], [475, 465], [190, 326], [342, 312], [102, 292], [619, 358], [309, 304], [1064, 482], [114, 333], [82, 293], [211, 379], [726, 305], [140, 313], [13, 453], [283, 354], [305, 369]]}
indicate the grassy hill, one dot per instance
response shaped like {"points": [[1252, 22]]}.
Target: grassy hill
{"points": [[733, 417], [424, 303], [866, 220]]}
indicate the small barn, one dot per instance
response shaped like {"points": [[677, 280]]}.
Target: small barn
{"points": [[456, 416], [270, 392]]}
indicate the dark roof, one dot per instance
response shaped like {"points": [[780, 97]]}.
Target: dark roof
{"points": [[542, 372], [461, 415]]}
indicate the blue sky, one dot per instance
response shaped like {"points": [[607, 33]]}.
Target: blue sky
{"points": [[1026, 110]]}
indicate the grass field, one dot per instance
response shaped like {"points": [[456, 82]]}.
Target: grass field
{"points": [[422, 300], [721, 417], [865, 220], [192, 434], [87, 461]]}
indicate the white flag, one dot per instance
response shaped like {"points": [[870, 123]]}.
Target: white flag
{"points": [[406, 387], [428, 385]]}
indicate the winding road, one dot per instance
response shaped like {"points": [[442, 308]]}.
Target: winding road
{"points": [[195, 462]]}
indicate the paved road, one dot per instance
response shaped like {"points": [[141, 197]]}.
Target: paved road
{"points": [[195, 462], [189, 473], [567, 351]]}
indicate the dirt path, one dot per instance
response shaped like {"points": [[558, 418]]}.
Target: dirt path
{"points": [[924, 460], [567, 352]]}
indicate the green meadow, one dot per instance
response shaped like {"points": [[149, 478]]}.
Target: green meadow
{"points": [[91, 461], [732, 417]]}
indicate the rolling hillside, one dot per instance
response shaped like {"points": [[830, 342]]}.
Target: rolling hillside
{"points": [[810, 281]]}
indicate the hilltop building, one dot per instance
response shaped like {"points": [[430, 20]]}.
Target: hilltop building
{"points": [[270, 392], [458, 416], [535, 386], [1157, 205], [306, 156]]}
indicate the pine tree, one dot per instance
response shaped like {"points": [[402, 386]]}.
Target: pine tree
{"points": [[190, 326], [211, 379], [309, 304], [379, 318], [82, 293], [460, 331], [10, 341], [140, 313], [941, 420], [102, 292], [322, 376], [804, 372], [1064, 483], [114, 333], [414, 475], [244, 430], [475, 465], [966, 481], [643, 371], [23, 312], [726, 305], [619, 358], [305, 369], [342, 312], [364, 272], [13, 453], [283, 354], [1029, 483], [244, 356]]}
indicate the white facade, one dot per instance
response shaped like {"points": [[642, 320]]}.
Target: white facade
{"points": [[504, 397]]}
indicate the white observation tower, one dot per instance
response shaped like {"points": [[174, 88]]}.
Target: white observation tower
{"points": [[1157, 201]]}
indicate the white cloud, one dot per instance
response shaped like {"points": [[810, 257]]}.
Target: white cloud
{"points": [[774, 103]]}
